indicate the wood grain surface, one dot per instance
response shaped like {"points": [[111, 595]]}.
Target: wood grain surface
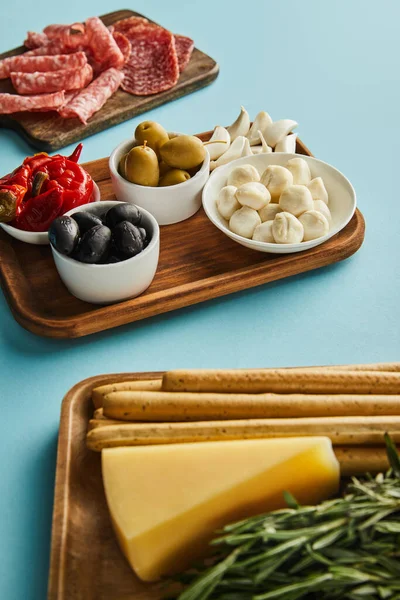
{"points": [[48, 131], [197, 262], [85, 561]]}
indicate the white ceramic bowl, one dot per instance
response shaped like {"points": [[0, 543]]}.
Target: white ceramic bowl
{"points": [[342, 199], [39, 238], [104, 284], [170, 204]]}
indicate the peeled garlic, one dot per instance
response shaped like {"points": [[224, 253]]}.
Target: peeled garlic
{"points": [[244, 221], [247, 150], [296, 199], [275, 132], [276, 179], [265, 148], [227, 203], [256, 149], [321, 207], [263, 233], [288, 144], [287, 229], [269, 212], [215, 150], [243, 174], [261, 121], [254, 195], [234, 151], [241, 126], [315, 225], [300, 171], [318, 189]]}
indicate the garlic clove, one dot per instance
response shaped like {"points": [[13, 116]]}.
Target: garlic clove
{"points": [[263, 233], [261, 122], [318, 189], [287, 229], [241, 126], [265, 148], [247, 149], [276, 179], [315, 225], [243, 174], [215, 149], [288, 144], [269, 212], [227, 203], [234, 151], [300, 171], [296, 199], [321, 207], [254, 195], [275, 132], [244, 221], [256, 149]]}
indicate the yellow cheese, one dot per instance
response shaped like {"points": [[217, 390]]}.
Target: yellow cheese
{"points": [[167, 501]]}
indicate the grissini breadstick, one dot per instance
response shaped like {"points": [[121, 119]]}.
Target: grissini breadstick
{"points": [[358, 460], [283, 381], [393, 367], [194, 406], [93, 423], [98, 414], [139, 384], [349, 431]]}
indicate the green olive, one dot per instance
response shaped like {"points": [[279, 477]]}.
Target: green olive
{"points": [[121, 165], [141, 166], [173, 177], [164, 168], [183, 152], [153, 133]]}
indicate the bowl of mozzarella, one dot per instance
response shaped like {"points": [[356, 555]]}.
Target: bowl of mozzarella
{"points": [[279, 202]]}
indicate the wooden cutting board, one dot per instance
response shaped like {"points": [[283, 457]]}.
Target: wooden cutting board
{"points": [[49, 132]]}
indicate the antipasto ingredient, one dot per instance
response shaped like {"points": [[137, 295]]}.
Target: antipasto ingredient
{"points": [[64, 234], [263, 233], [104, 48], [127, 239], [153, 134], [222, 136], [94, 245], [184, 47], [318, 190], [247, 477], [269, 212], [296, 199], [247, 151], [183, 152], [315, 224], [85, 221], [300, 170], [173, 177], [32, 64], [227, 203], [141, 166], [235, 151], [265, 148], [11, 103], [98, 393], [276, 179], [287, 229], [253, 194], [260, 123], [52, 81], [123, 44], [123, 212], [321, 207], [288, 144], [275, 132], [241, 126], [243, 174], [244, 221]]}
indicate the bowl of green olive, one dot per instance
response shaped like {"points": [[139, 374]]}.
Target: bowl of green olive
{"points": [[160, 171]]}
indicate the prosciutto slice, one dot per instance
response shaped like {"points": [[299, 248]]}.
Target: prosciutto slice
{"points": [[103, 46], [35, 40], [11, 103], [30, 64], [52, 81]]}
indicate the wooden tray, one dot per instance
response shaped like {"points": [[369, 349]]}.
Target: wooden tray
{"points": [[197, 262], [48, 131]]}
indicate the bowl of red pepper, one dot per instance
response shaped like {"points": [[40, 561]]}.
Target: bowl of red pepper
{"points": [[41, 189]]}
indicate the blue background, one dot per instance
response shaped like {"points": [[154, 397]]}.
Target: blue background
{"points": [[334, 68]]}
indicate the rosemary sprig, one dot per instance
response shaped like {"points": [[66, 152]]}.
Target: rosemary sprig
{"points": [[347, 547]]}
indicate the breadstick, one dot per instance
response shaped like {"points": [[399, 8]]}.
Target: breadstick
{"points": [[341, 430], [192, 406], [283, 381], [393, 367], [139, 384], [358, 460], [98, 414], [93, 423]]}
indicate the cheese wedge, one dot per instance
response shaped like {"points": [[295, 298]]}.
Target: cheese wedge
{"points": [[167, 501]]}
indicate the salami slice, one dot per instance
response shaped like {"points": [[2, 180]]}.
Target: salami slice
{"points": [[125, 25], [11, 103], [35, 40], [52, 81], [30, 64], [90, 100], [153, 64], [123, 44], [57, 31], [184, 48], [103, 46]]}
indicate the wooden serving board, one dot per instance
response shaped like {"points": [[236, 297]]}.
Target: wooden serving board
{"points": [[48, 131], [197, 262]]}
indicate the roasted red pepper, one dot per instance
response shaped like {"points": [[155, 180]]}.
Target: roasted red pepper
{"points": [[43, 188]]}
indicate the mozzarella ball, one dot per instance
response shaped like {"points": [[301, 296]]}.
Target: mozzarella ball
{"points": [[300, 171], [244, 221], [253, 194], [318, 189], [226, 202], [269, 212], [287, 229], [276, 179], [321, 207], [315, 224], [296, 199], [243, 174], [263, 233]]}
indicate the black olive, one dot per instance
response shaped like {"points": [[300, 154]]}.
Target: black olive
{"points": [[64, 235], [127, 239], [123, 212], [86, 221], [94, 245], [145, 236]]}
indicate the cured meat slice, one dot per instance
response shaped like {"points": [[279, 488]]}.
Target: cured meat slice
{"points": [[103, 46], [125, 25], [35, 40], [11, 103], [123, 44], [153, 64], [90, 100], [184, 48], [52, 81], [57, 31], [30, 64]]}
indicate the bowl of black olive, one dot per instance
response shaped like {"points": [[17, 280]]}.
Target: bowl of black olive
{"points": [[106, 252]]}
